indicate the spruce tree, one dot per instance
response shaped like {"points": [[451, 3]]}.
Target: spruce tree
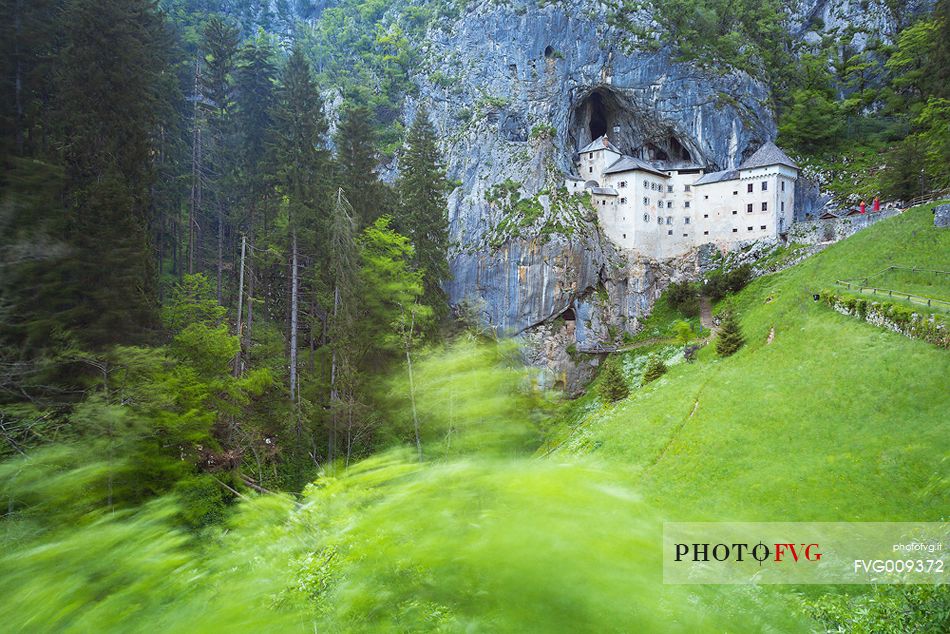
{"points": [[112, 94], [654, 370], [355, 142], [729, 338], [613, 385], [299, 129], [423, 211], [220, 46]]}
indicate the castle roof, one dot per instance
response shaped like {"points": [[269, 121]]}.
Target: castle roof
{"points": [[603, 143], [604, 191], [571, 177], [631, 164], [717, 177], [767, 154]]}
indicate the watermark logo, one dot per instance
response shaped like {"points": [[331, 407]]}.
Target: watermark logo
{"points": [[805, 552]]}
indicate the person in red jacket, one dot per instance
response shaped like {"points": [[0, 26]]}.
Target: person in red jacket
{"points": [[876, 204], [862, 207]]}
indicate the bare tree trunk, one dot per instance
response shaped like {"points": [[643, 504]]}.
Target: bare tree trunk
{"points": [[293, 317], [220, 247], [246, 345], [18, 84], [195, 174], [240, 307], [412, 386], [334, 394]]}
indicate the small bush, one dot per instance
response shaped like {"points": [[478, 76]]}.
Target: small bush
{"points": [[730, 337], [654, 370], [613, 385], [684, 297], [682, 331], [719, 284]]}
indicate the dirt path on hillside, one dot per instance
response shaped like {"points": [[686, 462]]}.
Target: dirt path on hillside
{"points": [[705, 313]]}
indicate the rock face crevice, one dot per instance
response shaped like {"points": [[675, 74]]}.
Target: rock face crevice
{"points": [[632, 127]]}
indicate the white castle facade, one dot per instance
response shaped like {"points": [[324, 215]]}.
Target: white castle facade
{"points": [[664, 213]]}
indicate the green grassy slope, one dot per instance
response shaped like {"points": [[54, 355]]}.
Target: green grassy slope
{"points": [[834, 420]]}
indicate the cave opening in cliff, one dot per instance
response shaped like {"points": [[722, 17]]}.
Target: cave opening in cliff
{"points": [[568, 315], [598, 116]]}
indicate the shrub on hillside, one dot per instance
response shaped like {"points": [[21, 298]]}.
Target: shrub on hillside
{"points": [[682, 331], [684, 297], [613, 385], [654, 370], [730, 337], [719, 284]]}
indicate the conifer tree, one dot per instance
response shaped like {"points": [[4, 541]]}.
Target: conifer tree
{"points": [[112, 89], [255, 77], [299, 130], [355, 141], [423, 211], [220, 43], [729, 339], [613, 385], [343, 265], [654, 370]]}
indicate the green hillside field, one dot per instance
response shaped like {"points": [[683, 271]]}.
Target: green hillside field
{"points": [[834, 420]]}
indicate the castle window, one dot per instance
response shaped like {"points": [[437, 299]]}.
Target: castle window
{"points": [[670, 232], [687, 188], [765, 186], [783, 205], [591, 169], [765, 206], [734, 230], [734, 212], [749, 188], [669, 204], [686, 204], [686, 220], [750, 228], [669, 188], [646, 217], [623, 201], [705, 233], [685, 235], [748, 208], [762, 227], [646, 201], [669, 220], [783, 185], [591, 155], [623, 183], [735, 193], [646, 183], [624, 236], [705, 215], [659, 220], [706, 197]]}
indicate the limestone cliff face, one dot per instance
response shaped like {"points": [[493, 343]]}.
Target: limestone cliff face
{"points": [[515, 90]]}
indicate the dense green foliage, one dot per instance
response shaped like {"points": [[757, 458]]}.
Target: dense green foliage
{"points": [[654, 370]]}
